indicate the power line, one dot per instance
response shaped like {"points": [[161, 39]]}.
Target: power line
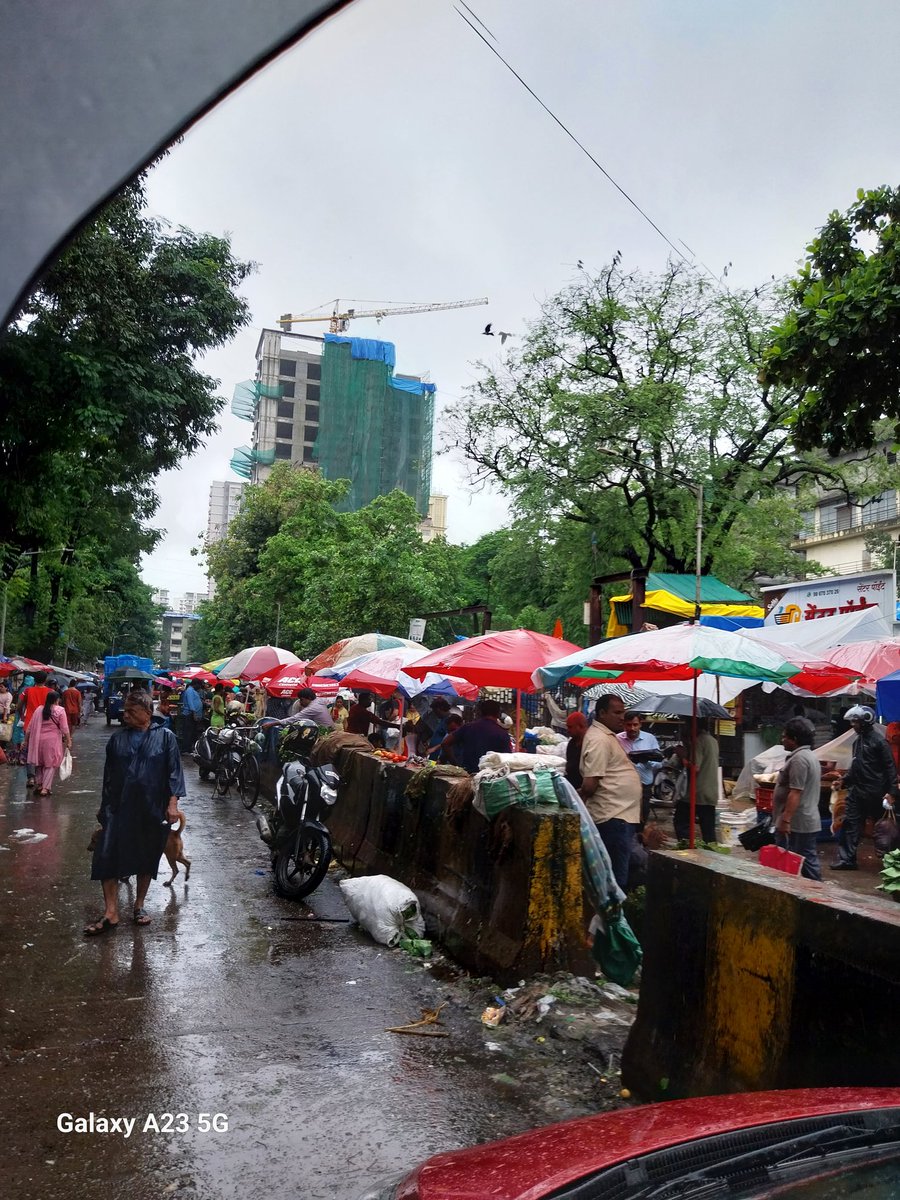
{"points": [[568, 132]]}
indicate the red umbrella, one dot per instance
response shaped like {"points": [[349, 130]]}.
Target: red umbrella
{"points": [[872, 660], [503, 658], [198, 673], [256, 661], [290, 678]]}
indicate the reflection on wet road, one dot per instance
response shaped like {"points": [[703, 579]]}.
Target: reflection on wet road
{"points": [[231, 1002]]}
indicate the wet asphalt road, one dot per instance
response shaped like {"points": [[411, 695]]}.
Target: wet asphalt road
{"points": [[231, 1002]]}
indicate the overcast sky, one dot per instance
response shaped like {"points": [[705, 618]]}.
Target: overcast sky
{"points": [[390, 157]]}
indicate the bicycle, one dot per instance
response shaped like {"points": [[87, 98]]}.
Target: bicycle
{"points": [[235, 765]]}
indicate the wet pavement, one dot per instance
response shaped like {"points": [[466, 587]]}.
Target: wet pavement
{"points": [[232, 1008]]}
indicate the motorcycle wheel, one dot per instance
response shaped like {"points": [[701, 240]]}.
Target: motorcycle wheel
{"points": [[664, 791], [296, 878], [223, 782], [248, 780]]}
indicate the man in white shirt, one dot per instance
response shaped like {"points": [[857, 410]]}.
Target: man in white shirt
{"points": [[643, 750]]}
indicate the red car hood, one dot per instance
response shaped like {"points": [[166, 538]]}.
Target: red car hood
{"points": [[532, 1165]]}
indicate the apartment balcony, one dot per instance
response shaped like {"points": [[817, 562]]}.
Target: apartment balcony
{"points": [[888, 524]]}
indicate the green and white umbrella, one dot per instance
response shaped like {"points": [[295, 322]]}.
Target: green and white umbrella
{"points": [[681, 652]]}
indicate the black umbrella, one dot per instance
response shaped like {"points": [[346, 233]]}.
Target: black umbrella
{"points": [[122, 673], [680, 705]]}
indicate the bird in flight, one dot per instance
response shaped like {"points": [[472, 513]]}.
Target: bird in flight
{"points": [[488, 332]]}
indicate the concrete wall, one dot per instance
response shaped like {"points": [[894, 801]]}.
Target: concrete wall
{"points": [[753, 980], [503, 897]]}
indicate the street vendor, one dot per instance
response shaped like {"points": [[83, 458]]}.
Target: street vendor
{"points": [[706, 766], [361, 718], [795, 803], [310, 707], [466, 745], [643, 750], [611, 787]]}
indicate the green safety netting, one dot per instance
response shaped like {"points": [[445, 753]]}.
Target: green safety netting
{"points": [[374, 429], [245, 456], [247, 394]]}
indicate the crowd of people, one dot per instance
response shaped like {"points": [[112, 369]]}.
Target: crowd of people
{"points": [[610, 761]]}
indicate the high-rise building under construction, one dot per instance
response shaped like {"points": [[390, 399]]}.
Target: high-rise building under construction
{"points": [[335, 403]]}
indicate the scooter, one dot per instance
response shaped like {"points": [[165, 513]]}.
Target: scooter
{"points": [[296, 833]]}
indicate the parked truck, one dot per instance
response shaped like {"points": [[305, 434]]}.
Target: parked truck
{"points": [[112, 696]]}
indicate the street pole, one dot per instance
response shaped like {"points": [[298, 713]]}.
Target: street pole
{"points": [[698, 561], [278, 624], [3, 619]]}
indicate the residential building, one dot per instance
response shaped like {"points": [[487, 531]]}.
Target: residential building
{"points": [[835, 532], [435, 524], [283, 402], [172, 647], [335, 403], [224, 502]]}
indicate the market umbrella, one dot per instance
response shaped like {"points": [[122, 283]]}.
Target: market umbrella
{"points": [[255, 661], [871, 660], [680, 652], [288, 680], [124, 673], [680, 705], [216, 664], [197, 673], [503, 658], [384, 672], [353, 647]]}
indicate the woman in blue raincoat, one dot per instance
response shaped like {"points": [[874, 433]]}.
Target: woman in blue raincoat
{"points": [[142, 783]]}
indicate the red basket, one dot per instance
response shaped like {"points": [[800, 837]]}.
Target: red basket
{"points": [[765, 795]]}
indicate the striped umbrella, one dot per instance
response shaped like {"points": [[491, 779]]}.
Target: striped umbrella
{"points": [[353, 647]]}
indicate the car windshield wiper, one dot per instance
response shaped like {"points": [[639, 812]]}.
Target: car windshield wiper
{"points": [[778, 1162]]}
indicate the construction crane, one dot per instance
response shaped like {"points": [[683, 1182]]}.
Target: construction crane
{"points": [[339, 322]]}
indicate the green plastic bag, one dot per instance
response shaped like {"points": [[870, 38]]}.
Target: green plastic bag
{"points": [[506, 790], [546, 787], [616, 948]]}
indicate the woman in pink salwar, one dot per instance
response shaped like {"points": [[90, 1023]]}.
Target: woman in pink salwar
{"points": [[47, 736]]}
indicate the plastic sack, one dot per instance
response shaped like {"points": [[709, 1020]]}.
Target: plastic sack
{"points": [[65, 767], [496, 791], [5, 731], [616, 948], [545, 788], [384, 907], [495, 761]]}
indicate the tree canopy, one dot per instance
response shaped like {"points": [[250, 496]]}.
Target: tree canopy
{"points": [[99, 392], [838, 345], [290, 562], [630, 391]]}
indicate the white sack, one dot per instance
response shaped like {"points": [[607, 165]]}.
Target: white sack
{"points": [[384, 907]]}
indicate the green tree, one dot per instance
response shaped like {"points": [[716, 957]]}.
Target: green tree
{"points": [[837, 348], [291, 560], [99, 392], [629, 390]]}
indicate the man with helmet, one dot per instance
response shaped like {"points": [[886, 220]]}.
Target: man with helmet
{"points": [[871, 782]]}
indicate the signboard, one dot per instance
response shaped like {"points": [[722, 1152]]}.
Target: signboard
{"points": [[839, 594], [416, 629]]}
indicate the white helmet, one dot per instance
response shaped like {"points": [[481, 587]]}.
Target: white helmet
{"points": [[859, 712]]}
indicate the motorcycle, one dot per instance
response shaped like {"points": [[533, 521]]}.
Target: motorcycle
{"points": [[208, 751], [295, 832]]}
